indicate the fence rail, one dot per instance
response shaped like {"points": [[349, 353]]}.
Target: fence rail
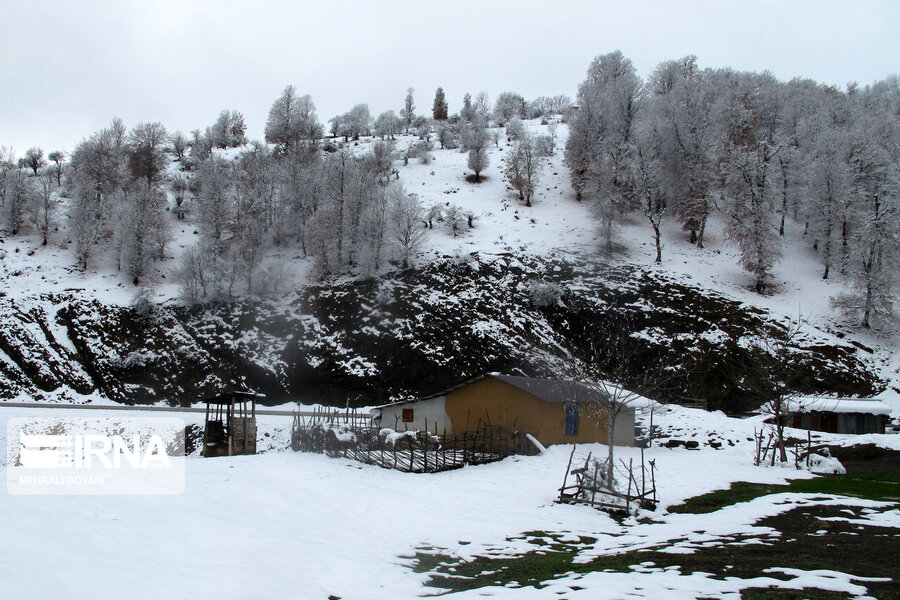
{"points": [[410, 451]]}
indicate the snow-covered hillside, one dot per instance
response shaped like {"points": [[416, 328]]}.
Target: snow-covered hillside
{"points": [[72, 334]]}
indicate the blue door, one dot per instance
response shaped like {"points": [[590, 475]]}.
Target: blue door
{"points": [[571, 419]]}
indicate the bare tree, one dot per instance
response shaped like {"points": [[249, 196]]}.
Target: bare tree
{"points": [[769, 372], [621, 373]]}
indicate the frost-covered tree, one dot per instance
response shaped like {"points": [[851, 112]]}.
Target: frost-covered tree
{"points": [[600, 152], [146, 148], [515, 129], [44, 209], [100, 164], [523, 167], [357, 122], [407, 219], [58, 157], [467, 112], [476, 142], [34, 159], [455, 218], [448, 135], [388, 124], [292, 119], [408, 112], [179, 145], [507, 106], [680, 107], [229, 130], [215, 201], [650, 189], [17, 197], [141, 229], [872, 237], [748, 162], [439, 107]]}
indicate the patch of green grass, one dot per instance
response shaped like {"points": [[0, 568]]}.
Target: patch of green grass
{"points": [[873, 485], [808, 540], [778, 594]]}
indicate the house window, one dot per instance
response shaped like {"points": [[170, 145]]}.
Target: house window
{"points": [[571, 419], [407, 415]]}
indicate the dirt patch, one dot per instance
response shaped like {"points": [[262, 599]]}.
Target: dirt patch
{"points": [[867, 457]]}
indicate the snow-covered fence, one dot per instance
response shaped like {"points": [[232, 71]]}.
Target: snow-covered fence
{"points": [[802, 452], [410, 451]]}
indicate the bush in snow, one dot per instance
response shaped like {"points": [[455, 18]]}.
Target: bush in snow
{"points": [[543, 294]]}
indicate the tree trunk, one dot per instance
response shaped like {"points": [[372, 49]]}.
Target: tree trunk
{"points": [[658, 244], [702, 231], [611, 437]]}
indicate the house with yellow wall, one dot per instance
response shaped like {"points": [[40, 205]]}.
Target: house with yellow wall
{"points": [[554, 411]]}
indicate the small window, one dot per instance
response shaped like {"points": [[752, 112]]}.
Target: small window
{"points": [[571, 419], [407, 415]]}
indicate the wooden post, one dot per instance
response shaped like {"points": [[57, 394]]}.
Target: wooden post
{"points": [[643, 480], [566, 477], [630, 477]]}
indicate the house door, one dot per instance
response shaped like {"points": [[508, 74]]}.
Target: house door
{"points": [[571, 419]]}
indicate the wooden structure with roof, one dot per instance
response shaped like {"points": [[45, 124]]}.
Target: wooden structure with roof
{"points": [[554, 411], [838, 415], [230, 427]]}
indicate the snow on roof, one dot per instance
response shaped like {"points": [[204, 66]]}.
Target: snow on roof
{"points": [[548, 390], [870, 406]]}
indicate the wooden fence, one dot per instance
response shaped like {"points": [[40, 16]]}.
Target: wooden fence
{"points": [[410, 451], [634, 488]]}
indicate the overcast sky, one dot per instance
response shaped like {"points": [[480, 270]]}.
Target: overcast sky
{"points": [[67, 67]]}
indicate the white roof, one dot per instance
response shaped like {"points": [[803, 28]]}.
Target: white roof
{"points": [[870, 406]]}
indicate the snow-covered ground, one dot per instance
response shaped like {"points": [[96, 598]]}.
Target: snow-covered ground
{"points": [[291, 525]]}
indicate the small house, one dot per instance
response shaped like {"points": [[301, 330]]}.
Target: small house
{"points": [[553, 411], [838, 415]]}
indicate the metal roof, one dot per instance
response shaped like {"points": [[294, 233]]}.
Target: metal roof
{"points": [[872, 406]]}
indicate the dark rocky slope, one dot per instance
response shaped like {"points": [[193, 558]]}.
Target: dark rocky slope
{"points": [[419, 331]]}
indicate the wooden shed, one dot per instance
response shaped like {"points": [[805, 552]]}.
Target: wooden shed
{"points": [[554, 411], [230, 427], [838, 415]]}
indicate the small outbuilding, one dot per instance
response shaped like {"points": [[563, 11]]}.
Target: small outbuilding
{"points": [[230, 427], [553, 411], [838, 415]]}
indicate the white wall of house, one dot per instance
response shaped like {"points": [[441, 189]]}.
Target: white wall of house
{"points": [[624, 434], [427, 415]]}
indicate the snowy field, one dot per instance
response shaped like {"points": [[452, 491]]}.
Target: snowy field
{"points": [[290, 525]]}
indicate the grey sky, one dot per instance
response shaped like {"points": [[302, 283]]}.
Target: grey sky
{"points": [[68, 67]]}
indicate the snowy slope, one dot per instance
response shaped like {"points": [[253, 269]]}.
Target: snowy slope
{"points": [[37, 279]]}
